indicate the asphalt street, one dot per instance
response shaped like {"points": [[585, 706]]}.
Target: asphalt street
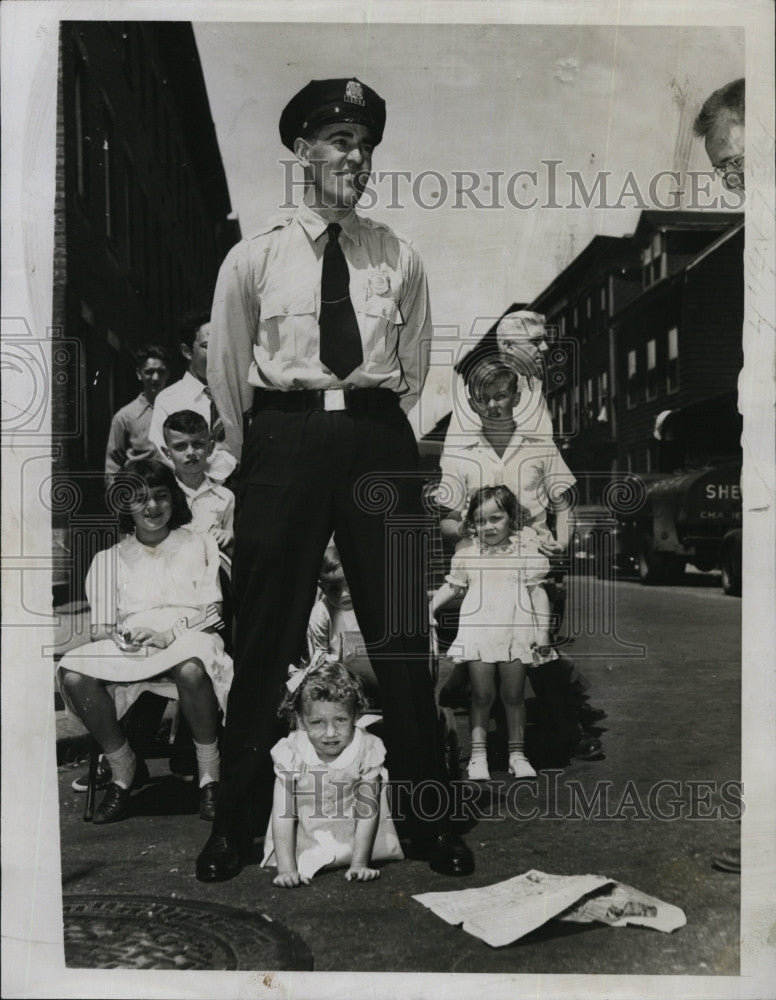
{"points": [[664, 664]]}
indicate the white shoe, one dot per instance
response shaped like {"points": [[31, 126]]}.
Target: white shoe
{"points": [[519, 767], [478, 769]]}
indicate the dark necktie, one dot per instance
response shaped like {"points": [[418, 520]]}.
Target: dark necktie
{"points": [[216, 423], [340, 349]]}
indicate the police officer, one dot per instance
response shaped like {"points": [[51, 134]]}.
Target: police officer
{"points": [[319, 335]]}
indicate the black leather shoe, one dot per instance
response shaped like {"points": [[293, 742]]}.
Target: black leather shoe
{"points": [[219, 861], [207, 801], [449, 855], [115, 802], [587, 748]]}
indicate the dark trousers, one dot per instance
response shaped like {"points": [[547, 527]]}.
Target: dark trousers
{"points": [[305, 475]]}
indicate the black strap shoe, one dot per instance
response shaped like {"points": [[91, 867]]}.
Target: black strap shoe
{"points": [[449, 855], [207, 801], [219, 861], [115, 802]]}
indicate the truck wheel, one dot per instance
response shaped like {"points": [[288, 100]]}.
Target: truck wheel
{"points": [[731, 574], [674, 569], [652, 565]]}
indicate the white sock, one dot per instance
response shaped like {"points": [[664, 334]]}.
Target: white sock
{"points": [[122, 764], [208, 762], [479, 750]]}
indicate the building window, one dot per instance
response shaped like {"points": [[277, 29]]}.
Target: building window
{"points": [[576, 317], [603, 397], [672, 380], [127, 53], [588, 306], [562, 326], [82, 139], [588, 414], [129, 198], [651, 369], [603, 298], [562, 413], [109, 174], [632, 387], [145, 245], [142, 70], [156, 113]]}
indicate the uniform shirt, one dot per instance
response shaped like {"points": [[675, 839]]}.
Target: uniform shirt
{"points": [[531, 466], [264, 322], [128, 435], [211, 506], [188, 394]]}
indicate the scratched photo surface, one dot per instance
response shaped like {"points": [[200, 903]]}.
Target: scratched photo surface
{"points": [[546, 161]]}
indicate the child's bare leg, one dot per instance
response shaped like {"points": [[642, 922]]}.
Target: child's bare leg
{"points": [[200, 707], [95, 708], [198, 700], [483, 678], [512, 688], [97, 711]]}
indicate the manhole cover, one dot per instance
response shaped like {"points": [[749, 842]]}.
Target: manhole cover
{"points": [[146, 932]]}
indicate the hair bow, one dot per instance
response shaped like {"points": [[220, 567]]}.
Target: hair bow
{"points": [[297, 674]]}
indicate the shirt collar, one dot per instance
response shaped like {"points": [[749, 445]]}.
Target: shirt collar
{"points": [[206, 484], [315, 226], [144, 402], [192, 381]]}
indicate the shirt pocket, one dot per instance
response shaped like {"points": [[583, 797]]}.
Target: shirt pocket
{"points": [[289, 324], [380, 321]]}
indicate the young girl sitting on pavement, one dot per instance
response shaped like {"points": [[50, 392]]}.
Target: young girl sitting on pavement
{"points": [[154, 600], [504, 617], [330, 805]]}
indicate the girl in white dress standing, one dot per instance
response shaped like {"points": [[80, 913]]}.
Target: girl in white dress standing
{"points": [[152, 598], [504, 617]]}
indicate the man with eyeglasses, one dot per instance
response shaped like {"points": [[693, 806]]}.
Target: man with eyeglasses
{"points": [[720, 123]]}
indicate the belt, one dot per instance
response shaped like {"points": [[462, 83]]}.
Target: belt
{"points": [[349, 399]]}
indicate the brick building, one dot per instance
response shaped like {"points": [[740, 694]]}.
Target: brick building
{"points": [[651, 330], [679, 344], [578, 306], [142, 222]]}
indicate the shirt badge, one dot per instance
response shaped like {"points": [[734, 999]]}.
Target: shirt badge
{"points": [[354, 93], [378, 283]]}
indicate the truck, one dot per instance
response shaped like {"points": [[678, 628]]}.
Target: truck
{"points": [[690, 517]]}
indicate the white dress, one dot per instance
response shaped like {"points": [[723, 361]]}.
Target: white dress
{"points": [[327, 800], [497, 623], [133, 584]]}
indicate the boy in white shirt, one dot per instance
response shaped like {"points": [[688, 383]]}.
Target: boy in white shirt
{"points": [[502, 452], [188, 445]]}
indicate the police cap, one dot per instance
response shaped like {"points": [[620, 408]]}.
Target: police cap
{"points": [[325, 101]]}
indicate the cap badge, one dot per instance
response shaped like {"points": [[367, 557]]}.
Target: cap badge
{"points": [[354, 93]]}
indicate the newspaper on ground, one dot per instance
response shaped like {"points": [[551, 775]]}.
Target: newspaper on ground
{"points": [[506, 911], [617, 905]]}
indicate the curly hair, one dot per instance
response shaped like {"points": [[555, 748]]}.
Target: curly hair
{"points": [[132, 484], [330, 681], [505, 500]]}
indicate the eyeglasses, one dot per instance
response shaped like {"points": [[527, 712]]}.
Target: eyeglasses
{"points": [[732, 171]]}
